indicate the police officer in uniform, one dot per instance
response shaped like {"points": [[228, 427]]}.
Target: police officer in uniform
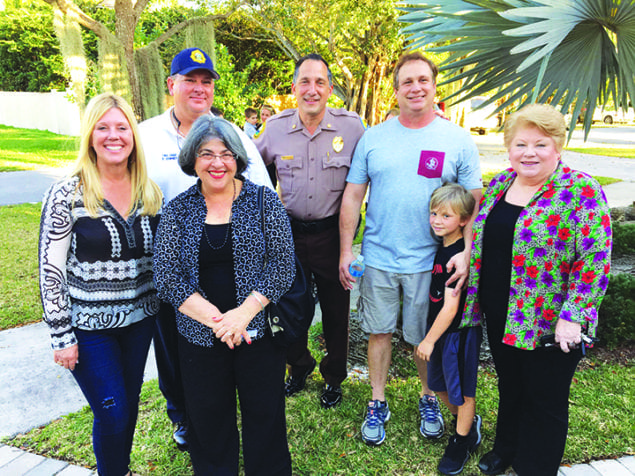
{"points": [[312, 147]]}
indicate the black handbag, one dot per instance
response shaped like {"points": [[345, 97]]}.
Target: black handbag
{"points": [[290, 318]]}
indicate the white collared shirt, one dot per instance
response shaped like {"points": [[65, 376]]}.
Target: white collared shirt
{"points": [[162, 144]]}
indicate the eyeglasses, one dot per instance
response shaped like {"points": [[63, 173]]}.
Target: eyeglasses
{"points": [[225, 157]]}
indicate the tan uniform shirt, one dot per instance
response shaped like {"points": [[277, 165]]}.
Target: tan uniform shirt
{"points": [[311, 169]]}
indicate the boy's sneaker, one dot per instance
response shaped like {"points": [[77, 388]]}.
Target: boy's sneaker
{"points": [[455, 456], [474, 436], [377, 414], [432, 426], [459, 449]]}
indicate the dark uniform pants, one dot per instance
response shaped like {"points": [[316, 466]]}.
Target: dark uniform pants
{"points": [[167, 357], [319, 254]]}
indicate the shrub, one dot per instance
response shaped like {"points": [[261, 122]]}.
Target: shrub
{"points": [[617, 313], [624, 238]]}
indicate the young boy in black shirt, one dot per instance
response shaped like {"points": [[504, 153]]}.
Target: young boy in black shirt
{"points": [[452, 353]]}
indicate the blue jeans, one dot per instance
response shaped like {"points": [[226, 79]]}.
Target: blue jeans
{"points": [[110, 374]]}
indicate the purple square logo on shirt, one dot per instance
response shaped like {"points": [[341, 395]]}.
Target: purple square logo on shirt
{"points": [[431, 163]]}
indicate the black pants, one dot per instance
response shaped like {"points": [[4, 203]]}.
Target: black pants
{"points": [[533, 406], [167, 357], [319, 254], [211, 377]]}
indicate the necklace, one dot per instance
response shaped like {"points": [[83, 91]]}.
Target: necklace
{"points": [[177, 123], [222, 245]]}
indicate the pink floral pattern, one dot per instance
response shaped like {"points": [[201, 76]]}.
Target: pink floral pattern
{"points": [[561, 257]]}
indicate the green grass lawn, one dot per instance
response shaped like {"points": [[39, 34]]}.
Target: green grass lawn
{"points": [[622, 152], [29, 149], [19, 295], [488, 176], [327, 442]]}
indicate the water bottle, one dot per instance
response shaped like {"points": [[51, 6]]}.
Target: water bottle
{"points": [[357, 267]]}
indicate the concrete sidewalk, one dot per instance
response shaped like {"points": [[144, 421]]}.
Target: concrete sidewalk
{"points": [[33, 392], [14, 462]]}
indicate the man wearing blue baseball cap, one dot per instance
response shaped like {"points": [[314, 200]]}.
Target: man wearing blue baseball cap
{"points": [[191, 83]]}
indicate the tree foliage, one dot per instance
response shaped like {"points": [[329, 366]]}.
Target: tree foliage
{"points": [[573, 53], [30, 58], [251, 49], [117, 32], [360, 39]]}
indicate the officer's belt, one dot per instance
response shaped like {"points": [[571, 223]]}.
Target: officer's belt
{"points": [[316, 226]]}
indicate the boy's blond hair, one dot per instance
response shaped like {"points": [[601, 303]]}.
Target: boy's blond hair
{"points": [[454, 196]]}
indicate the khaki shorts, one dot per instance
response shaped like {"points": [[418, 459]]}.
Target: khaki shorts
{"points": [[379, 302]]}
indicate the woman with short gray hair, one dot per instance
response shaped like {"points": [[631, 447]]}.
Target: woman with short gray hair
{"points": [[218, 270]]}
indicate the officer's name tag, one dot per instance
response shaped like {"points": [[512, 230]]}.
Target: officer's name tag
{"points": [[169, 156], [286, 157], [431, 163]]}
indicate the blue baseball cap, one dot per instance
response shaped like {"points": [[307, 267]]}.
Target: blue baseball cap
{"points": [[192, 59]]}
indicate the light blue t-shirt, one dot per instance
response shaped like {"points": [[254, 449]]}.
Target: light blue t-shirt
{"points": [[404, 166]]}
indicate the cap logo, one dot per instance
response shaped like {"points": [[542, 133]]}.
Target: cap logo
{"points": [[197, 56]]}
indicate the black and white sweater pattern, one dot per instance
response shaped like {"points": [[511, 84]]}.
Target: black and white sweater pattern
{"points": [[95, 272]]}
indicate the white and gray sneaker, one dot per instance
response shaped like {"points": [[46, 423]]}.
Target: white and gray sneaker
{"points": [[432, 426], [377, 414]]}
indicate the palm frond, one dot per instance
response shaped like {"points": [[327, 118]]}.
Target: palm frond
{"points": [[576, 53]]}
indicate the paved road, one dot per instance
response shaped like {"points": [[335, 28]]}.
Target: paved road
{"points": [[620, 136], [27, 186], [621, 194]]}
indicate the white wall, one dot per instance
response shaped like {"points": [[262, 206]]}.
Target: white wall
{"points": [[46, 111]]}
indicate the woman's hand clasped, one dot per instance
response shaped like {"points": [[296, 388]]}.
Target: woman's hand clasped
{"points": [[568, 334], [231, 327]]}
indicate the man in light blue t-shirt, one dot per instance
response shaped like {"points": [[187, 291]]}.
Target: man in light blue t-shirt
{"points": [[404, 159]]}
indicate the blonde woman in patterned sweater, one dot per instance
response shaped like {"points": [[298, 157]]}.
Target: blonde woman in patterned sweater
{"points": [[95, 255]]}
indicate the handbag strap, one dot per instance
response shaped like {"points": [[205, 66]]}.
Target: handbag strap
{"points": [[261, 207]]}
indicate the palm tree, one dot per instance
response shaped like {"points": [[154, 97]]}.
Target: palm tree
{"points": [[568, 52]]}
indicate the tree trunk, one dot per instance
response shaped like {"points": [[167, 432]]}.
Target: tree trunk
{"points": [[125, 24]]}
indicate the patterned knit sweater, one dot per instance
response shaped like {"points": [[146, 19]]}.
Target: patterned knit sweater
{"points": [[95, 273]]}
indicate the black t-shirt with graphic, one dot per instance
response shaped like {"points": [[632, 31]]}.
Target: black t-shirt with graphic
{"points": [[437, 284]]}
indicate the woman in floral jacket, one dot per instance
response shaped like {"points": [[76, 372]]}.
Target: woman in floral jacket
{"points": [[539, 269]]}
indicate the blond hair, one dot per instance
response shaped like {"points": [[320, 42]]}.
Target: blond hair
{"points": [[454, 196], [144, 190], [545, 117], [269, 108]]}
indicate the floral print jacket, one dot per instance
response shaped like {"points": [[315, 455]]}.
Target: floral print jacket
{"points": [[561, 257]]}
